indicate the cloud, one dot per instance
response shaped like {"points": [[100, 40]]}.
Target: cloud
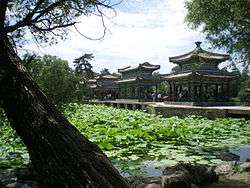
{"points": [[144, 31]]}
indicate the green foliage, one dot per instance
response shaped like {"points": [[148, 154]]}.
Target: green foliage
{"points": [[55, 77], [225, 23], [83, 68], [163, 87], [134, 140], [104, 72], [131, 137], [244, 93], [12, 151]]}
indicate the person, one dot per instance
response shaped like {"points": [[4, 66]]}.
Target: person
{"points": [[165, 98], [154, 96], [159, 97], [109, 96], [180, 96]]}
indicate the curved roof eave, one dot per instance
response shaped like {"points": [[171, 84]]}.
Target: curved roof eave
{"points": [[145, 65], [199, 52]]}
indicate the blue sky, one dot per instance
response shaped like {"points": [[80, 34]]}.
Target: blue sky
{"points": [[141, 30]]}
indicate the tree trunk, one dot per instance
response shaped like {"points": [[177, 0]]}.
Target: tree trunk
{"points": [[61, 156]]}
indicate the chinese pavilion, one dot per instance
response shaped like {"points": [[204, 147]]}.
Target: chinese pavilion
{"points": [[103, 87], [138, 82], [197, 78]]}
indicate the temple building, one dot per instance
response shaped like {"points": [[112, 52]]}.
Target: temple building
{"points": [[138, 82], [197, 78], [103, 87]]}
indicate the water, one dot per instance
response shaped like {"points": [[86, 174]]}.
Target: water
{"points": [[243, 152], [149, 168]]}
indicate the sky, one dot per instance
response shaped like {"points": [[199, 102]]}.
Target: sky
{"points": [[140, 31]]}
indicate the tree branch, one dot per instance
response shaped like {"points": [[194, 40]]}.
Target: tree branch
{"points": [[33, 12], [54, 27], [103, 25], [29, 20], [48, 9]]}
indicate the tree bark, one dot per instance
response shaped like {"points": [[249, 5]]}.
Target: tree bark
{"points": [[61, 156]]}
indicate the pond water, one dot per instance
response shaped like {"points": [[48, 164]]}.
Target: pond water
{"points": [[154, 167], [242, 152]]}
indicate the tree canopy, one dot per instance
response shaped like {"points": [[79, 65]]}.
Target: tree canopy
{"points": [[83, 66], [104, 72], [46, 20], [55, 77], [226, 24]]}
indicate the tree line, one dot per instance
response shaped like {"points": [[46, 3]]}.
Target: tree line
{"points": [[61, 83]]}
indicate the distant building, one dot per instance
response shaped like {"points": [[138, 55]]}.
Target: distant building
{"points": [[103, 87], [137, 82], [198, 78]]}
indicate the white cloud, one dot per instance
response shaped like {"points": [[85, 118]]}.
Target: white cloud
{"points": [[152, 33]]}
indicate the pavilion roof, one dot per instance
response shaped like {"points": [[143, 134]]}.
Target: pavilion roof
{"points": [[138, 80], [127, 80], [107, 77], [93, 86], [102, 87], [173, 76], [91, 80], [219, 75], [146, 66], [200, 53]]}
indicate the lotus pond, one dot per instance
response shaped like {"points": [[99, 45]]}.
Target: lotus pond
{"points": [[140, 143]]}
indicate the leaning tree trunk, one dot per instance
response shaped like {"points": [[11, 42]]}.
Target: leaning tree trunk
{"points": [[61, 156]]}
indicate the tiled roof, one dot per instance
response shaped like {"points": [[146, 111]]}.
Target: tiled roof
{"points": [[91, 80], [126, 80], [93, 86], [111, 77], [215, 75], [145, 65], [199, 52]]}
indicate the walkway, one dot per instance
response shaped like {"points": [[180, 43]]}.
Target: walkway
{"points": [[168, 110]]}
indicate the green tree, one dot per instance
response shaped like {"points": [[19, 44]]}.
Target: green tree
{"points": [[55, 77], [116, 74], [83, 68], [105, 71], [226, 24], [244, 85], [60, 154], [244, 93]]}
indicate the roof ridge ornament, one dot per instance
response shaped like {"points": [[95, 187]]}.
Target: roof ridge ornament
{"points": [[198, 44]]}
